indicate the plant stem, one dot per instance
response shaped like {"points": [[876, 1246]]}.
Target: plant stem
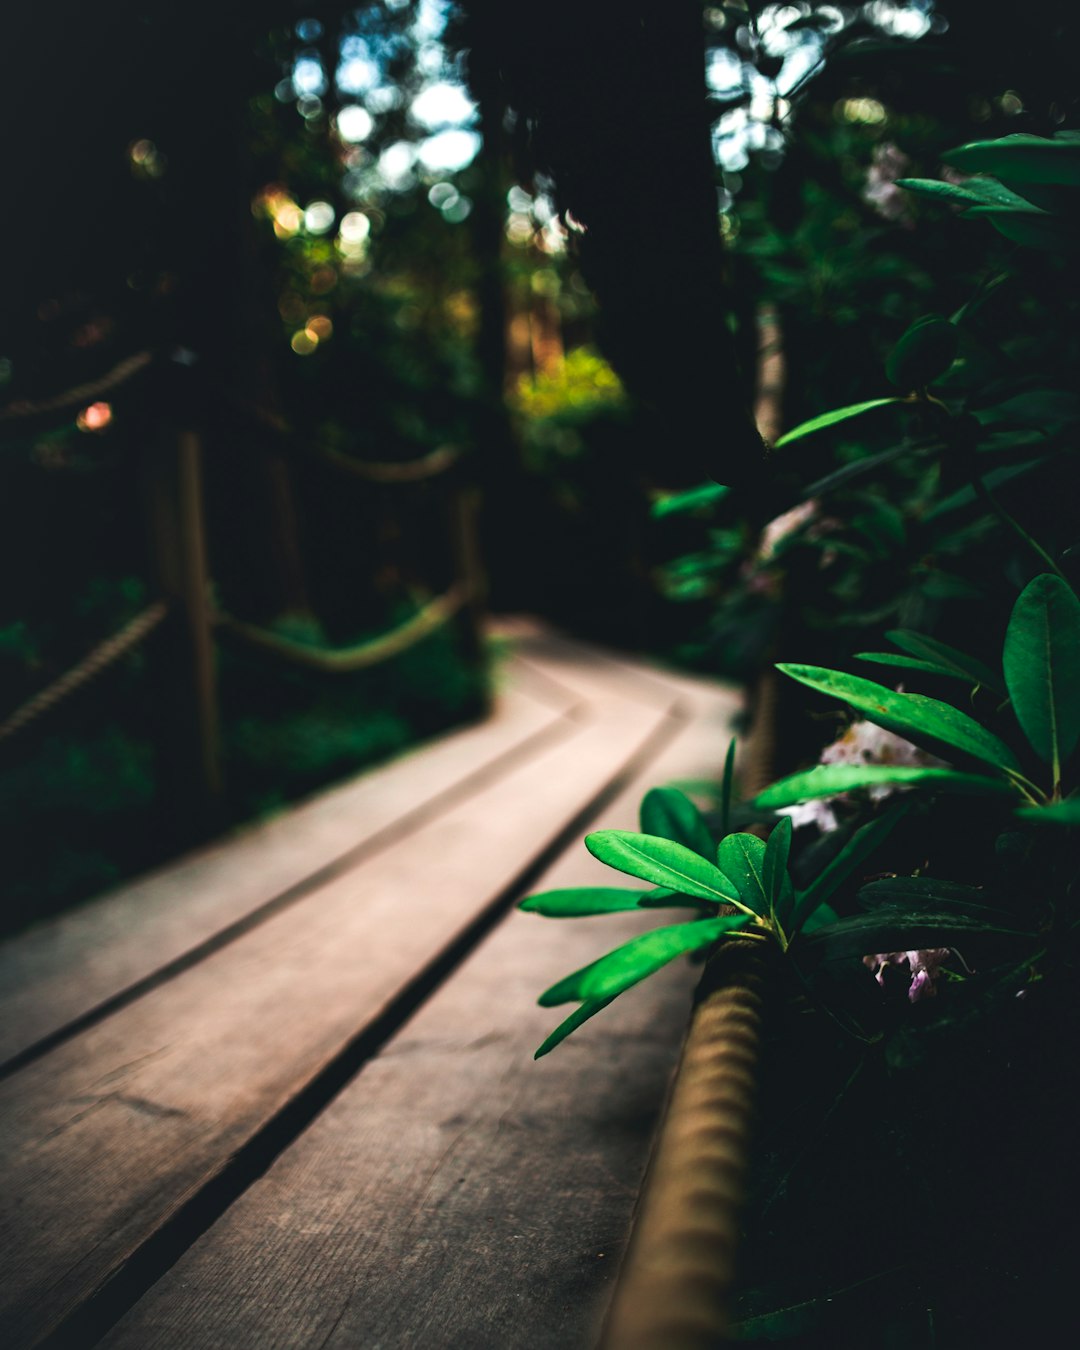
{"points": [[983, 492]]}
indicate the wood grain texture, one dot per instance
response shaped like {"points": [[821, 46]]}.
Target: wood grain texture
{"points": [[109, 1135], [64, 968], [456, 1194]]}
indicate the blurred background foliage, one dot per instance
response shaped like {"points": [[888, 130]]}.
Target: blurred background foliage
{"points": [[375, 234]]}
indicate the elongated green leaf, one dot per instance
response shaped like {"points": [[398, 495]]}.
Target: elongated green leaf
{"points": [[663, 863], [930, 895], [956, 194], [1042, 667], [1022, 158], [925, 351], [861, 468], [582, 901], [1030, 228], [576, 1018], [823, 914], [661, 898], [828, 780], [893, 931], [855, 852], [670, 814], [958, 663], [907, 663], [726, 785], [830, 419], [626, 965], [778, 885], [1060, 813], [921, 719], [707, 494], [742, 858], [972, 192]]}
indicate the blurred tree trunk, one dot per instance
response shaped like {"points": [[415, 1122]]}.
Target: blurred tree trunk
{"points": [[610, 102]]}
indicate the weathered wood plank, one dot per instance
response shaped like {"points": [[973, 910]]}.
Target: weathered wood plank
{"points": [[65, 968], [117, 1129], [455, 1194]]}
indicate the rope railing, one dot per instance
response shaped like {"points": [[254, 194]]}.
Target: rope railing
{"points": [[392, 471], [359, 656], [102, 656], [415, 470], [174, 495], [80, 393]]}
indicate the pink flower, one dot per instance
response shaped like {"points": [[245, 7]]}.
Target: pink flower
{"points": [[925, 966], [881, 192]]}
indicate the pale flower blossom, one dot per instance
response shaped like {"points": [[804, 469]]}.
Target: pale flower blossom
{"points": [[924, 965], [860, 743], [880, 192]]}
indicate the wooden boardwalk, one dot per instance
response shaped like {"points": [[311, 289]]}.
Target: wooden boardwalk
{"points": [[281, 1093]]}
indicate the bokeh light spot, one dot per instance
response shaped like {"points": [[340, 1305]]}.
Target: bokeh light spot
{"points": [[319, 217], [96, 417], [354, 124]]}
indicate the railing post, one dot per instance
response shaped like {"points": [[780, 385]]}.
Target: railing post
{"points": [[464, 508], [189, 741]]}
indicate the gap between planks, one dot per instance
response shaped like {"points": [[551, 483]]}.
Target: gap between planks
{"points": [[124, 1128], [70, 972], [454, 1194]]}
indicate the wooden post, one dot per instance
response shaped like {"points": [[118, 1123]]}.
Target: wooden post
{"points": [[190, 756], [464, 508]]}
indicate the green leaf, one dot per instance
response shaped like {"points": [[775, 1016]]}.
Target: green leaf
{"points": [[829, 780], [576, 1018], [661, 898], [742, 858], [823, 914], [583, 901], [956, 662], [668, 813], [706, 494], [966, 495], [1028, 227], [955, 193], [894, 931], [928, 895], [626, 965], [921, 719], [1042, 667], [905, 663], [663, 863], [1022, 158], [925, 351], [972, 192], [859, 468], [778, 885], [1060, 813], [726, 785], [862, 845], [830, 419]]}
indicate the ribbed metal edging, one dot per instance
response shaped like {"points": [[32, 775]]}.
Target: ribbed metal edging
{"points": [[675, 1285]]}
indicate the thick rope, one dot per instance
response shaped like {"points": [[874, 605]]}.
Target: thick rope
{"points": [[676, 1281], [341, 660], [392, 471], [102, 656], [81, 393], [678, 1275], [371, 470]]}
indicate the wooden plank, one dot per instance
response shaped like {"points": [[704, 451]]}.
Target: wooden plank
{"points": [[455, 1194], [120, 1127], [64, 969]]}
